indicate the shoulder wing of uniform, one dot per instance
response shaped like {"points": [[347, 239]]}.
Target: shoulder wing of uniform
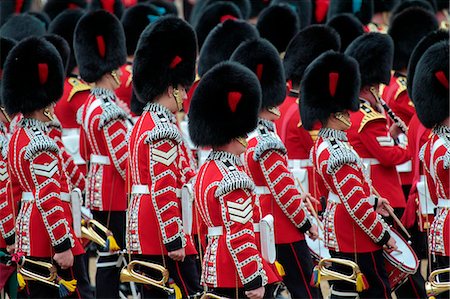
{"points": [[77, 86], [401, 82], [370, 114], [163, 129], [268, 142], [110, 112], [4, 141], [340, 154], [234, 179], [39, 143]]}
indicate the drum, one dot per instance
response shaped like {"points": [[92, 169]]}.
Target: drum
{"points": [[399, 265], [317, 247]]}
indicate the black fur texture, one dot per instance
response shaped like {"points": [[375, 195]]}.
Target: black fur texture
{"points": [[348, 26], [54, 7], [21, 26], [61, 46], [303, 8], [365, 13], [117, 9], [9, 8]]}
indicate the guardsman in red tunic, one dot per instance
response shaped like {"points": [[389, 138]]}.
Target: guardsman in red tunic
{"points": [[302, 50], [266, 163], [226, 102], [353, 229], [99, 44], [34, 164], [430, 94], [159, 164]]}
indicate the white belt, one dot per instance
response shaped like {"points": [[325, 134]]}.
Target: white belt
{"points": [[143, 189], [29, 197], [65, 196], [260, 190], [98, 159], [299, 163], [370, 161], [72, 131], [443, 203], [218, 230]]}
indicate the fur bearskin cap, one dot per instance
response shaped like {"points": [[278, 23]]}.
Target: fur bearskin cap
{"points": [[385, 5], [442, 4], [114, 7], [258, 6], [306, 46], [261, 57], [303, 8], [164, 7], [64, 25], [9, 8], [171, 63], [374, 53], [348, 26], [33, 76], [6, 44], [200, 6], [134, 21], [278, 24], [54, 7], [362, 9], [225, 105], [412, 3], [41, 16], [99, 45], [222, 41], [215, 14], [424, 44], [331, 84], [431, 83], [61, 46], [407, 29], [22, 26]]}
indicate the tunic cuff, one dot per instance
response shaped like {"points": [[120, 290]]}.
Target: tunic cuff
{"points": [[305, 227], [384, 239], [174, 245], [63, 246], [254, 284]]}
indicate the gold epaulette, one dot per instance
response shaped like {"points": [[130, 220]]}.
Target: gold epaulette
{"points": [[77, 86], [129, 69], [401, 82], [369, 115]]}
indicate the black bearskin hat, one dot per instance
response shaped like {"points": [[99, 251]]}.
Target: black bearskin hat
{"points": [[374, 53], [9, 8], [6, 45], [61, 46], [134, 21], [41, 16], [431, 82], [200, 6], [442, 4], [136, 106], [225, 105], [170, 63], [261, 57], [64, 25], [258, 6], [33, 76], [362, 9], [407, 29], [99, 45], [278, 24], [54, 7], [425, 43], [306, 46], [331, 84], [164, 7], [384, 5], [412, 3], [348, 26], [222, 41], [215, 14], [303, 8], [22, 26], [114, 7]]}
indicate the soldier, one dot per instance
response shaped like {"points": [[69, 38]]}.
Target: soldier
{"points": [[99, 44], [266, 163], [159, 162], [430, 94], [32, 81], [353, 229], [224, 110]]}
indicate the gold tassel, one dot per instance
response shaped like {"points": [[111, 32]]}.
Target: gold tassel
{"points": [[113, 246], [280, 269], [178, 294], [361, 282], [21, 281]]}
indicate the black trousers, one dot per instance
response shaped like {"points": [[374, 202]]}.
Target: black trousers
{"points": [[81, 275], [298, 266], [107, 280], [269, 293], [371, 265], [441, 262], [184, 274]]}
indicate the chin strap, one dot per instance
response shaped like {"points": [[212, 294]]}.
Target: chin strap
{"points": [[48, 114], [177, 95], [341, 117], [116, 77]]}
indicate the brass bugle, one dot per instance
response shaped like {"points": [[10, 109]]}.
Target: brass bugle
{"points": [[327, 274], [433, 287], [27, 274], [208, 295], [88, 231], [128, 274]]}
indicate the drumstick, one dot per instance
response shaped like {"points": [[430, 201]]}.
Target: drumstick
{"points": [[311, 207], [392, 214]]}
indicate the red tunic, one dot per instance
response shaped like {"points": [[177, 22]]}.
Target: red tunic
{"points": [[351, 224], [159, 163], [435, 156], [103, 141], [36, 175], [75, 94], [369, 136], [223, 193], [7, 209], [276, 193], [125, 90]]}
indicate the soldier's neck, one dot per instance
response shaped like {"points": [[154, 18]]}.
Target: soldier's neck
{"points": [[38, 115]]}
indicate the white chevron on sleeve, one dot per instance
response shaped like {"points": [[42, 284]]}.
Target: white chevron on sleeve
{"points": [[166, 158], [385, 141], [241, 213], [3, 173], [46, 170]]}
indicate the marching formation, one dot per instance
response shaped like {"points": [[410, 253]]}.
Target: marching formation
{"points": [[262, 149]]}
